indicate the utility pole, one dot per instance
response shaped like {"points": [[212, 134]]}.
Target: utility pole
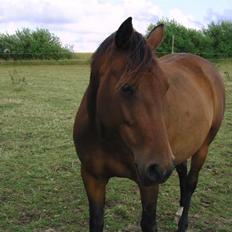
{"points": [[173, 42]]}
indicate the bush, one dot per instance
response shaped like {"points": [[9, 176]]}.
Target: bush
{"points": [[27, 44], [214, 41], [221, 36]]}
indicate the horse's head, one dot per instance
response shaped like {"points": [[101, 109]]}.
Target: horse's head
{"points": [[126, 98]]}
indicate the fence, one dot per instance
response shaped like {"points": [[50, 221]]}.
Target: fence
{"points": [[44, 58], [75, 58], [7, 55]]}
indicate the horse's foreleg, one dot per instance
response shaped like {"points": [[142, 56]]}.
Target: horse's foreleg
{"points": [[149, 197], [95, 189], [191, 182], [182, 173]]}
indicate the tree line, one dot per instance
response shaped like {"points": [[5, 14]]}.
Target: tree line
{"points": [[28, 44], [214, 41]]}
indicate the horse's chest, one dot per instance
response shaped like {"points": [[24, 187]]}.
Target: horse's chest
{"points": [[101, 162]]}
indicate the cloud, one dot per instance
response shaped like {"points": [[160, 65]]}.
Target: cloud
{"points": [[77, 22], [218, 16], [33, 11], [84, 24], [185, 19]]}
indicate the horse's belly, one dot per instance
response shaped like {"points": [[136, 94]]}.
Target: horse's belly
{"points": [[187, 142]]}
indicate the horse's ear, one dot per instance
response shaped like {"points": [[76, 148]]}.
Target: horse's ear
{"points": [[156, 36], [123, 34]]}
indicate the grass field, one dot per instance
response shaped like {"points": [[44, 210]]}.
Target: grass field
{"points": [[40, 184]]}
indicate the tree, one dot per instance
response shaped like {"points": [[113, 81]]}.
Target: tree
{"points": [[27, 44], [214, 41], [221, 36]]}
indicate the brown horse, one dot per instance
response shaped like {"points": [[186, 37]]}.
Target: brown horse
{"points": [[141, 117]]}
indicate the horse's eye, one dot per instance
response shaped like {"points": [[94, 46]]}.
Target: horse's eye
{"points": [[128, 89]]}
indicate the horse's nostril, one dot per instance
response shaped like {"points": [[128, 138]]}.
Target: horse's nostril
{"points": [[154, 173]]}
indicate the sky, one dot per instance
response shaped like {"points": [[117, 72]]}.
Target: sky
{"points": [[84, 24]]}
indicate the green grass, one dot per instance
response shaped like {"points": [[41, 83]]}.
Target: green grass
{"points": [[40, 184]]}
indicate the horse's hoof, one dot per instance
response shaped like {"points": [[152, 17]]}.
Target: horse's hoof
{"points": [[149, 229], [182, 227]]}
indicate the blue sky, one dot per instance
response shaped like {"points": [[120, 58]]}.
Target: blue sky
{"points": [[85, 23]]}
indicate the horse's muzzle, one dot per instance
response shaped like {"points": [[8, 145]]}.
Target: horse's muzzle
{"points": [[153, 174]]}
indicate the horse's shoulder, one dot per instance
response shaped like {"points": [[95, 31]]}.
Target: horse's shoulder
{"points": [[187, 63]]}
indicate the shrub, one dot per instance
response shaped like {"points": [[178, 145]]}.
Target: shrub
{"points": [[214, 41], [27, 44]]}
